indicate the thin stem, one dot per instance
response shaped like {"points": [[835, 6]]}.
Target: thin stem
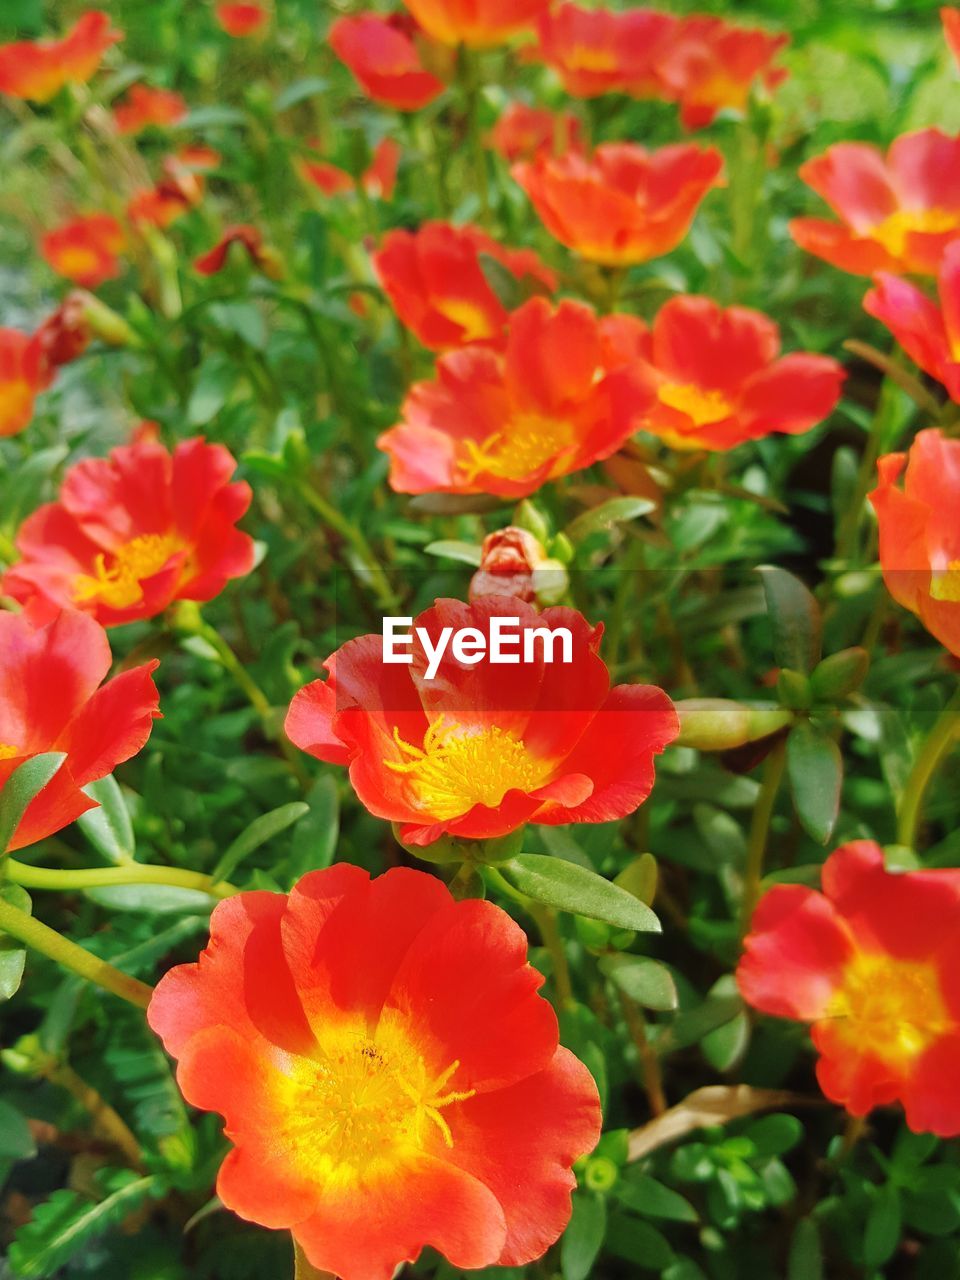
{"points": [[649, 1062], [55, 946], [470, 82], [107, 1123], [100, 877], [546, 920], [940, 740], [354, 536], [759, 832], [854, 1130]]}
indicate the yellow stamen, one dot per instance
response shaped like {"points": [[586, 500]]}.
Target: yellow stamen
{"points": [[893, 231], [7, 752], [366, 1098], [703, 407], [76, 260], [117, 575], [472, 319], [525, 444], [462, 766], [584, 58], [890, 1008], [945, 585]]}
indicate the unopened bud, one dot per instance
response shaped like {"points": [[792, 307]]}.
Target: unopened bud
{"points": [[514, 563], [720, 724]]}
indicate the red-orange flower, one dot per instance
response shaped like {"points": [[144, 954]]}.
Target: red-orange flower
{"points": [[24, 371], [52, 698], [144, 107], [385, 61], [720, 378], [929, 334], [477, 748], [38, 70], [873, 964], [559, 398], [179, 190], [522, 132], [950, 17], [919, 533], [596, 51], [624, 204], [85, 249], [435, 280], [326, 177], [135, 531], [240, 20], [263, 257], [379, 179], [708, 65], [899, 212], [478, 23], [389, 1076]]}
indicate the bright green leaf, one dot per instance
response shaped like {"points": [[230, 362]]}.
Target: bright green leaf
{"points": [[568, 887], [815, 770]]}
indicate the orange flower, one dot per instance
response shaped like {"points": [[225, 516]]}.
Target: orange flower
{"points": [[179, 190], [919, 535], [709, 65], [85, 249], [435, 280], [929, 334], [240, 20], [625, 204], [872, 962], [135, 531], [24, 371], [478, 23], [38, 70], [721, 380], [596, 51], [262, 256], [144, 107], [560, 398], [52, 698], [327, 178], [522, 132], [898, 212], [379, 179], [389, 1076], [950, 17], [385, 61], [479, 750]]}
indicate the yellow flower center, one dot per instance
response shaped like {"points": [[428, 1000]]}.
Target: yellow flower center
{"points": [[116, 578], [7, 752], [893, 231], [460, 766], [945, 585], [471, 319], [586, 58], [76, 260], [527, 442], [16, 404], [365, 1099], [893, 1009], [701, 406]]}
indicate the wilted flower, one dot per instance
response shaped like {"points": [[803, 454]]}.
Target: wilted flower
{"points": [[871, 962], [624, 204], [435, 280], [263, 257], [85, 249], [388, 1074], [480, 750], [559, 398], [596, 51], [52, 698], [135, 531], [144, 107], [919, 533], [720, 378], [39, 69], [385, 61], [522, 132], [899, 212]]}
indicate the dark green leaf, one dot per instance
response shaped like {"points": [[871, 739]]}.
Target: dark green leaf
{"points": [[259, 832], [794, 618], [882, 1234], [16, 1140], [315, 836], [13, 957], [654, 1200], [568, 887], [815, 769], [775, 1135], [108, 828], [647, 982], [584, 1235], [806, 1258]]}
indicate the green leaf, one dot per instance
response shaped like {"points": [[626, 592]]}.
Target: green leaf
{"points": [[882, 1233], [775, 1135], [568, 887], [315, 838], [583, 1237], [647, 982], [806, 1257], [243, 319], [504, 283], [13, 957], [607, 514], [654, 1200], [67, 1222], [840, 674], [466, 552], [815, 770], [795, 619], [259, 832], [26, 781], [16, 1140], [638, 1243], [108, 828], [308, 87]]}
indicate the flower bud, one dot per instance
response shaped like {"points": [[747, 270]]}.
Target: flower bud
{"points": [[514, 563], [720, 724]]}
